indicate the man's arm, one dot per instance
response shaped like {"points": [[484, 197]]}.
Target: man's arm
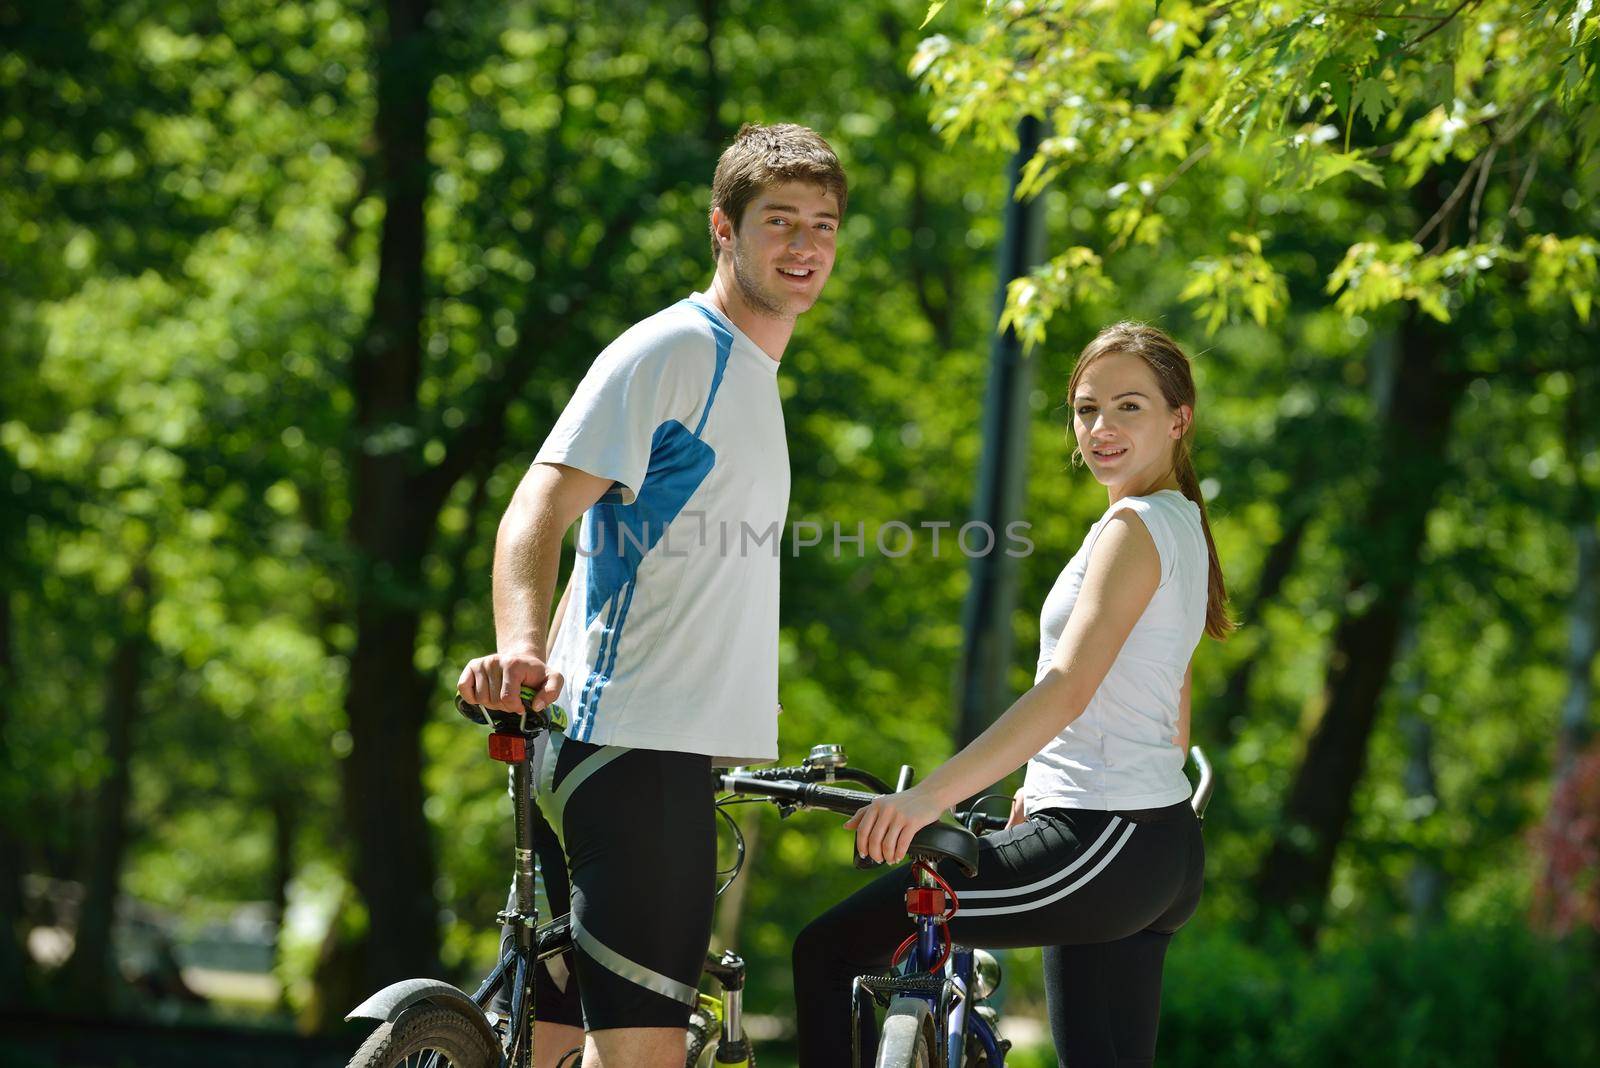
{"points": [[527, 559]]}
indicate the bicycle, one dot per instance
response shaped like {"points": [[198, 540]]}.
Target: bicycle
{"points": [[431, 1023], [933, 996]]}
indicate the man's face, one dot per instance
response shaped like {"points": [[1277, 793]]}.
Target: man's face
{"points": [[783, 250]]}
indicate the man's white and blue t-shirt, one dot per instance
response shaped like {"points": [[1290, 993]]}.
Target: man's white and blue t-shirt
{"points": [[670, 638]]}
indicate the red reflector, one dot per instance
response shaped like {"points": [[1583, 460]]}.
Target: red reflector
{"points": [[925, 901], [508, 748]]}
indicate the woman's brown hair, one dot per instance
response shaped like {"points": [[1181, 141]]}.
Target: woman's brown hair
{"points": [[1171, 368]]}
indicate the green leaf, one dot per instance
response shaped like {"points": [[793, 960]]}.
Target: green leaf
{"points": [[1372, 99], [1332, 164], [928, 50], [1580, 11], [1329, 72], [1250, 119], [1200, 285], [1439, 84], [933, 10]]}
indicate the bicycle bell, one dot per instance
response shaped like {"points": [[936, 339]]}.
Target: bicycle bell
{"points": [[828, 757]]}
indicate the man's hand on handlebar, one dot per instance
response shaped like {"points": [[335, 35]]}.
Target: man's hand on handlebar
{"points": [[885, 827], [495, 681]]}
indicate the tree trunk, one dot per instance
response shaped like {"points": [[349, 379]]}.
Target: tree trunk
{"points": [[1561, 881], [714, 133], [1293, 880], [1583, 642], [89, 972], [387, 698], [1424, 883], [13, 932], [285, 820], [1275, 569]]}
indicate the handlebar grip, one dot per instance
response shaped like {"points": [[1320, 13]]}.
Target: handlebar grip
{"points": [[810, 795], [834, 799], [790, 774], [973, 820]]}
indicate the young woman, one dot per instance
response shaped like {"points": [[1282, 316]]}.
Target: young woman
{"points": [[1103, 860]]}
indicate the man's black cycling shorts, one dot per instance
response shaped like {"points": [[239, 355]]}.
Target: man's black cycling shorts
{"points": [[637, 828]]}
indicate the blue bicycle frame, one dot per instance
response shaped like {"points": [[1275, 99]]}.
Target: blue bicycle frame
{"points": [[948, 995]]}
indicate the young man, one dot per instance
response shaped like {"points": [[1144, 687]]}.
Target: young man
{"points": [[664, 649]]}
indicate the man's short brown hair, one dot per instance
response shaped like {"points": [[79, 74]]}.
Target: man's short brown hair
{"points": [[764, 156]]}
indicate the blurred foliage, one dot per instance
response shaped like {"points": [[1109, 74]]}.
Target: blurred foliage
{"points": [[1456, 996], [188, 246], [1320, 100]]}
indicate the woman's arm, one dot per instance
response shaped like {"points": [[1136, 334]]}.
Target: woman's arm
{"points": [[1123, 572]]}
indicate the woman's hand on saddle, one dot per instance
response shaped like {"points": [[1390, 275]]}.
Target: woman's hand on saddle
{"points": [[884, 828]]}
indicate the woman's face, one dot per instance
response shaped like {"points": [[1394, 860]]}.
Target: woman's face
{"points": [[1124, 427]]}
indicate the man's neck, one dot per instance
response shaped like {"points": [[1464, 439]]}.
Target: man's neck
{"points": [[770, 333]]}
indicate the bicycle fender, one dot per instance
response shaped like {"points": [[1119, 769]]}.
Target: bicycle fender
{"points": [[897, 1044], [394, 999]]}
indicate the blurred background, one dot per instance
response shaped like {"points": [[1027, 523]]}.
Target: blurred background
{"points": [[291, 292]]}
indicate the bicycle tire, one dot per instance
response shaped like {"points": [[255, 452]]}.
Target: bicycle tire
{"points": [[702, 1038], [443, 1029], [906, 1038]]}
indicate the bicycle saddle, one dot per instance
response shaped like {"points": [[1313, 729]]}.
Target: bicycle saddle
{"points": [[944, 841]]}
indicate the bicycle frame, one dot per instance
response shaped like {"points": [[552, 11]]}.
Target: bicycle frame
{"points": [[948, 996], [520, 957]]}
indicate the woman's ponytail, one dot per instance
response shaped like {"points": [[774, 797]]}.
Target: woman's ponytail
{"points": [[1218, 623]]}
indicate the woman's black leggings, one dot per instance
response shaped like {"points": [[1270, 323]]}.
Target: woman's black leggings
{"points": [[1101, 891]]}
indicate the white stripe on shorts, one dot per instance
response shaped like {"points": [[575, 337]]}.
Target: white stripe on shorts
{"points": [[1000, 910], [1053, 877]]}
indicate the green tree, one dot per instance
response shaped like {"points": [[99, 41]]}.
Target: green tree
{"points": [[1426, 127]]}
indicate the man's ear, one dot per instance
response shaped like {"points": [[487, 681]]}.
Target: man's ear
{"points": [[722, 226]]}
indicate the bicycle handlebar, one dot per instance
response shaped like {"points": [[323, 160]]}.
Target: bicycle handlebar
{"points": [[811, 773], [768, 783], [1202, 789], [804, 794], [974, 820]]}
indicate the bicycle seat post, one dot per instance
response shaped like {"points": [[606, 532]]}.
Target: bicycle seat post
{"points": [[527, 905], [925, 904]]}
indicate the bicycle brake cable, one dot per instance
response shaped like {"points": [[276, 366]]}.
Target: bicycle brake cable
{"points": [[738, 838]]}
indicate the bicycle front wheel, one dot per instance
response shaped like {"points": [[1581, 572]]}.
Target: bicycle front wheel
{"points": [[906, 1040], [428, 1035]]}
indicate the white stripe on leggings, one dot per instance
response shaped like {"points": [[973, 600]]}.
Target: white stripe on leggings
{"points": [[998, 910], [1053, 877]]}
